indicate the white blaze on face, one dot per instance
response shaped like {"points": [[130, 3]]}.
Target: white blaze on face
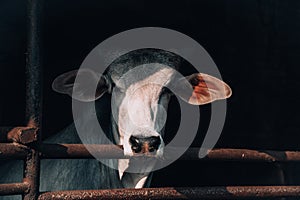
{"points": [[139, 112]]}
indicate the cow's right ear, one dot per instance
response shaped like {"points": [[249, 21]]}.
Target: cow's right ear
{"points": [[200, 88], [81, 89]]}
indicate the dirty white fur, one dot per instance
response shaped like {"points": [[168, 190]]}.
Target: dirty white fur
{"points": [[141, 115], [138, 112]]}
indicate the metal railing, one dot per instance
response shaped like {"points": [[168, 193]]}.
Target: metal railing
{"points": [[24, 143]]}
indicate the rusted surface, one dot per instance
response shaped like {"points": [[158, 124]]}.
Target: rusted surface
{"points": [[146, 193], [31, 175], [247, 155], [234, 192], [114, 151], [13, 151], [14, 188], [72, 151], [33, 93], [263, 191], [80, 151], [34, 62], [23, 135], [253, 155]]}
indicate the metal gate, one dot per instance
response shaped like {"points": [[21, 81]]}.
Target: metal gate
{"points": [[24, 143]]}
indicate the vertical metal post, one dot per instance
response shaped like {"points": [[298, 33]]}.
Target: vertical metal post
{"points": [[33, 93]]}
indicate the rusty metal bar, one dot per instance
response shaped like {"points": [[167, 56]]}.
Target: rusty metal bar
{"points": [[229, 192], [33, 94], [31, 175], [64, 151], [252, 155], [22, 135], [13, 151], [33, 63], [72, 151], [113, 151], [14, 188]]}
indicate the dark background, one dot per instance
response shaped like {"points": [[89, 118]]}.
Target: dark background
{"points": [[255, 44]]}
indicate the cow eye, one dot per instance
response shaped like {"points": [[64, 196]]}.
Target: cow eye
{"points": [[136, 149]]}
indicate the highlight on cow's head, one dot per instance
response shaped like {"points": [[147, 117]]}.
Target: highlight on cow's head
{"points": [[141, 86]]}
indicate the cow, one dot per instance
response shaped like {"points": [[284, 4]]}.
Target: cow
{"points": [[136, 87]]}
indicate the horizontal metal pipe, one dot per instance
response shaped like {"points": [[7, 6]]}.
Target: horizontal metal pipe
{"points": [[230, 192], [14, 188], [253, 155], [114, 151], [13, 151], [59, 151], [72, 151]]}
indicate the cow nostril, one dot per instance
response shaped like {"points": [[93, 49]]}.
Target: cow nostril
{"points": [[154, 143], [134, 140], [151, 149], [135, 144], [136, 149]]}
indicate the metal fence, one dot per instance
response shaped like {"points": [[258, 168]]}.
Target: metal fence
{"points": [[24, 143]]}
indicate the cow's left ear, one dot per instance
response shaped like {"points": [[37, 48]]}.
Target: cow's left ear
{"points": [[81, 89], [205, 89]]}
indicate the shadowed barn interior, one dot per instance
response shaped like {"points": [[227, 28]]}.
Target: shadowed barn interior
{"points": [[255, 44]]}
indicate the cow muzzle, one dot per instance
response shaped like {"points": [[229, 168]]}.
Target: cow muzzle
{"points": [[145, 145]]}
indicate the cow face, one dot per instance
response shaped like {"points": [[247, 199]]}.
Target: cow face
{"points": [[139, 106], [140, 99]]}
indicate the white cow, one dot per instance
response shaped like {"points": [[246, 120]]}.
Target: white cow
{"points": [[138, 81]]}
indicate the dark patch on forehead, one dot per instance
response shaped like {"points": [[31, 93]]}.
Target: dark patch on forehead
{"points": [[146, 56]]}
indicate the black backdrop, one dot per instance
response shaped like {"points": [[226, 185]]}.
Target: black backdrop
{"points": [[255, 44]]}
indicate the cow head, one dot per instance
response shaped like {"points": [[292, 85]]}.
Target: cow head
{"points": [[140, 97]]}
